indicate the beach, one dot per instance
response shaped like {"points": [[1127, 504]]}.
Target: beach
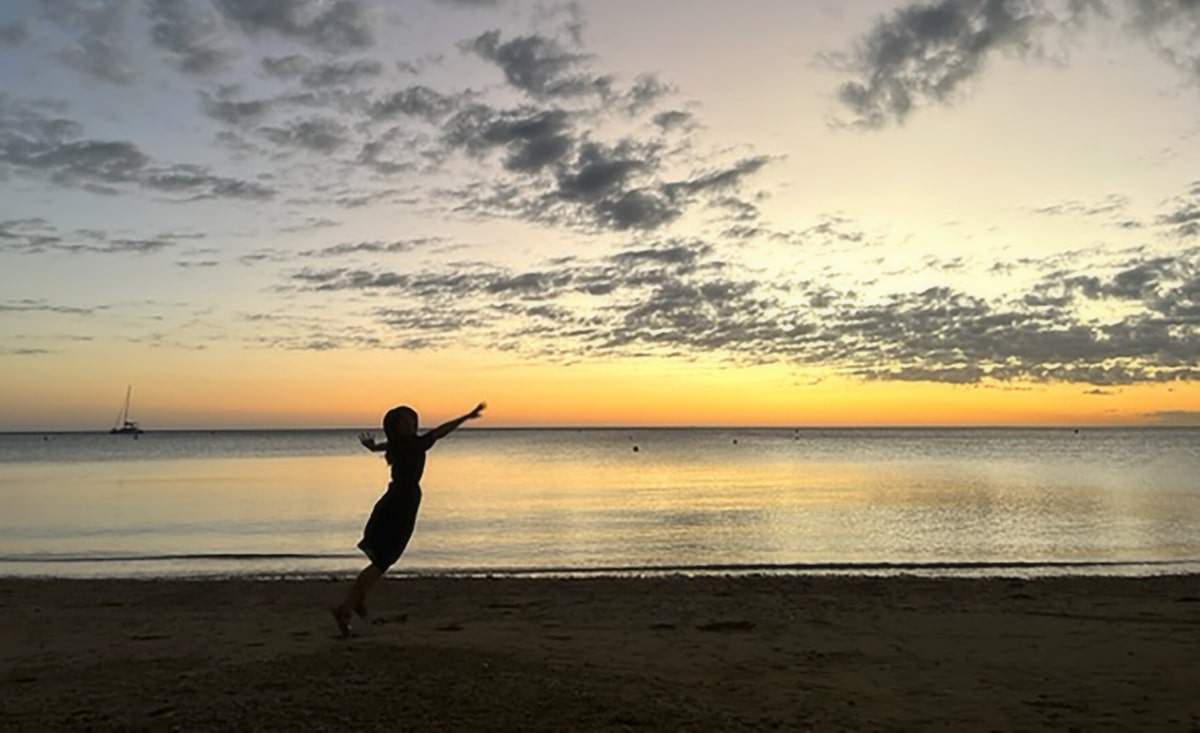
{"points": [[610, 654]]}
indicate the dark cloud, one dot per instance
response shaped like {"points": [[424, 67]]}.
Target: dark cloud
{"points": [[36, 236], [928, 52], [286, 67], [191, 34], [564, 178], [675, 120], [1184, 218], [533, 139], [646, 92], [376, 247], [28, 305], [99, 43], [194, 182], [540, 66], [415, 101], [318, 135], [234, 112], [34, 144], [315, 75], [335, 25], [14, 33]]}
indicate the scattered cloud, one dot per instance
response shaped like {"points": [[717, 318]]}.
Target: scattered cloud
{"points": [[337, 25], [930, 53], [36, 144], [96, 45], [37, 236], [374, 247], [41, 306], [191, 34], [679, 298], [540, 66]]}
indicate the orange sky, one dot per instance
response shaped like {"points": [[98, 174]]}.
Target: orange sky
{"points": [[338, 389]]}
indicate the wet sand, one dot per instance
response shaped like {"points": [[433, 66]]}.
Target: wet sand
{"points": [[702, 654]]}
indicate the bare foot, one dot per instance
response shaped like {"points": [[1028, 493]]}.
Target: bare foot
{"points": [[342, 617]]}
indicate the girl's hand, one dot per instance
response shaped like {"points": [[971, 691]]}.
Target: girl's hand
{"points": [[477, 411], [367, 440]]}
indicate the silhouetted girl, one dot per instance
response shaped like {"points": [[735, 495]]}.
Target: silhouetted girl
{"points": [[395, 514]]}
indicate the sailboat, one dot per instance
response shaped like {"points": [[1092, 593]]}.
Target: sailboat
{"points": [[125, 426]]}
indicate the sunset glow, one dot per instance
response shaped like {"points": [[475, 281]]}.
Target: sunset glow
{"points": [[797, 214]]}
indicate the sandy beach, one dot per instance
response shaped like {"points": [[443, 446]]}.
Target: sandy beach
{"points": [[710, 653]]}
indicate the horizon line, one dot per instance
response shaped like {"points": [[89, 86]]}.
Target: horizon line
{"points": [[748, 426]]}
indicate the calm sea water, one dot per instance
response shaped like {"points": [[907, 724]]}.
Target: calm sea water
{"points": [[978, 501]]}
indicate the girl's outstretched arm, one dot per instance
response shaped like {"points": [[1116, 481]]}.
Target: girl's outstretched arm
{"points": [[368, 441], [446, 428]]}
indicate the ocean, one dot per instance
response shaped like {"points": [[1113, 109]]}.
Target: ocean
{"points": [[611, 501]]}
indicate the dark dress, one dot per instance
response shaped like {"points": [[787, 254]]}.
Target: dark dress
{"points": [[394, 517]]}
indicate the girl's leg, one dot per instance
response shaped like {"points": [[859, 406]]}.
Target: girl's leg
{"points": [[356, 597]]}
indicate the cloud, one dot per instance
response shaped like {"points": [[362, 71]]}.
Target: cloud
{"points": [[99, 45], [374, 247], [37, 236], [234, 112], [415, 101], [192, 35], [539, 66], [335, 25], [318, 135], [565, 178], [34, 144], [14, 33], [928, 52], [675, 120], [1184, 218], [313, 75], [646, 92], [28, 305], [1113, 204], [678, 298]]}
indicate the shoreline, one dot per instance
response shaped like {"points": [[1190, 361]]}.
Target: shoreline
{"points": [[739, 652], [933, 569]]}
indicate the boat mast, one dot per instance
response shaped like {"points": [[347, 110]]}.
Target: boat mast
{"points": [[123, 418]]}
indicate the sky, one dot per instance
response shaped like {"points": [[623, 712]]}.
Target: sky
{"points": [[298, 213]]}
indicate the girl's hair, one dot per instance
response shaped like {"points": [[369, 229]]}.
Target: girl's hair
{"points": [[391, 426]]}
